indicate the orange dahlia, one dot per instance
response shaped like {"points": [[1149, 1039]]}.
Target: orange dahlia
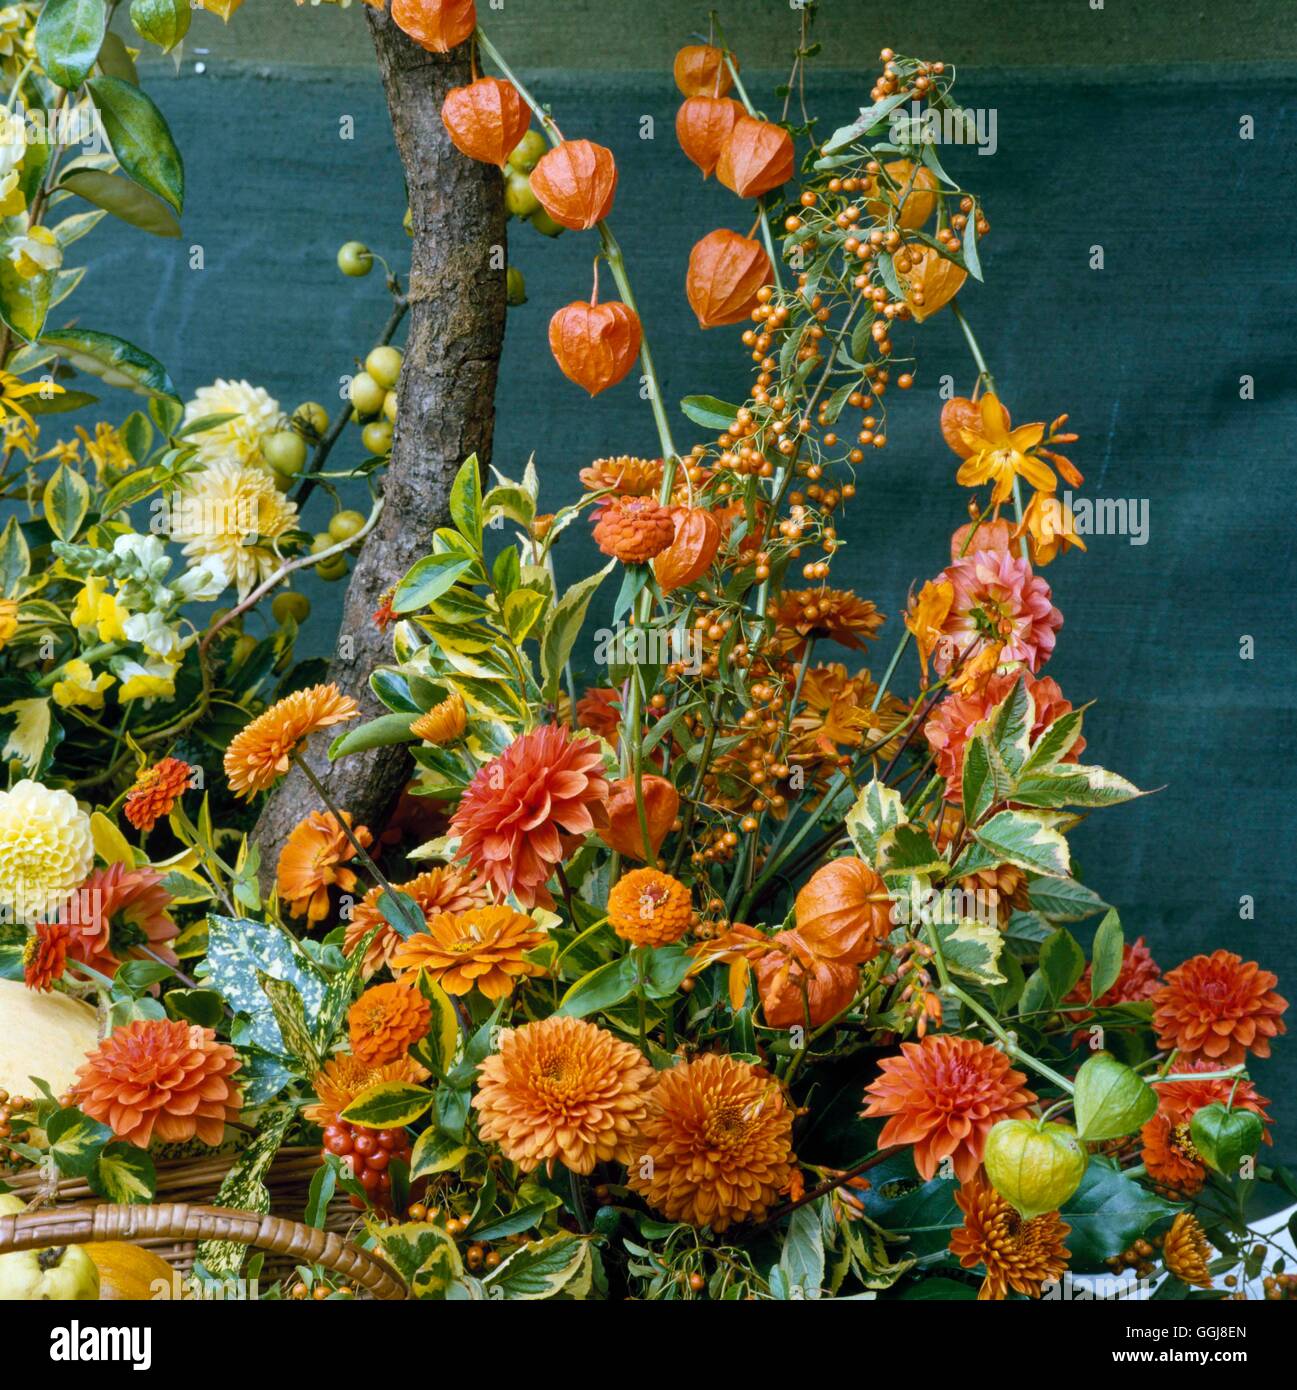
{"points": [[634, 529], [447, 888], [599, 711], [264, 749], [481, 949], [121, 913], [157, 1079], [562, 1089], [531, 807], [944, 1095], [834, 613], [624, 475], [344, 1077], [1186, 1251], [443, 723], [649, 908], [45, 955], [716, 1144], [155, 792], [1218, 1007], [386, 1021], [1016, 1253], [311, 862]]}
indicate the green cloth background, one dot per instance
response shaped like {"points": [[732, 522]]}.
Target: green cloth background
{"points": [[1143, 159]]}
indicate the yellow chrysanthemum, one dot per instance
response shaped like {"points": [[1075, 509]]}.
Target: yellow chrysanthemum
{"points": [[46, 849], [255, 413]]}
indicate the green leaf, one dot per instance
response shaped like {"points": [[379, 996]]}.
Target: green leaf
{"points": [[25, 302], [320, 1194], [244, 1188], [124, 1174], [466, 502], [112, 360], [416, 1246], [562, 628], [539, 1269], [126, 201], [708, 412], [133, 488], [1055, 742], [383, 732], [161, 22], [388, 1105], [1063, 899], [1108, 1213], [115, 58], [402, 912], [435, 1152], [1106, 955], [66, 500], [290, 1017], [140, 137], [1075, 784], [337, 996], [1063, 963], [603, 987], [972, 949], [202, 1006], [514, 502], [438, 1048], [15, 558], [68, 36], [428, 579], [76, 1141], [1026, 839], [522, 610], [1225, 1137], [1009, 727], [877, 810], [971, 259], [802, 1258], [523, 1219], [908, 849]]}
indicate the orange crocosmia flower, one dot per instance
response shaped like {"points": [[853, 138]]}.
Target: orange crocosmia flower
{"points": [[437, 25], [1016, 1253], [312, 861], [960, 416], [483, 949], [756, 157], [927, 616], [999, 454], [154, 1079], [155, 791], [562, 1090], [726, 271], [1219, 1008], [649, 908], [45, 955], [1050, 528], [576, 182], [486, 119], [595, 345], [447, 888], [700, 69], [264, 749], [944, 1095], [624, 833], [844, 912], [386, 1021], [703, 124], [799, 985], [634, 529], [344, 1077], [444, 722]]}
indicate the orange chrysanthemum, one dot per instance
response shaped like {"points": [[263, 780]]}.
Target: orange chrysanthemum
{"points": [[443, 723], [649, 908], [834, 613], [45, 955], [481, 949], [121, 913], [156, 791], [447, 888], [634, 529], [1187, 1252], [624, 475], [263, 751], [716, 1144], [344, 1077], [1017, 1254], [312, 861], [562, 1089], [944, 1095], [599, 711], [531, 807], [1218, 1007], [386, 1021], [154, 1079]]}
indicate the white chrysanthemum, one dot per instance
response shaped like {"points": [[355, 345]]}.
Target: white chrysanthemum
{"points": [[226, 514], [256, 414], [46, 850]]}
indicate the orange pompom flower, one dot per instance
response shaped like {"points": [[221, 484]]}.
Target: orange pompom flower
{"points": [[649, 908], [562, 1090], [595, 345], [264, 749], [1220, 1008], [119, 912], [576, 182], [944, 1095], [154, 1079], [45, 955], [703, 124], [756, 157], [529, 808], [155, 791], [725, 272], [486, 119], [700, 69], [1017, 1253], [624, 833], [345, 1076], [312, 861], [481, 949], [844, 912], [444, 722], [437, 25], [631, 477], [447, 888], [634, 529], [716, 1144], [386, 1021], [693, 547]]}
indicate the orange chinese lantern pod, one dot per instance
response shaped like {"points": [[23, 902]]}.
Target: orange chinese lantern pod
{"points": [[703, 124], [725, 272], [799, 987], [661, 806], [575, 182], [437, 25], [936, 280], [844, 912], [701, 71], [756, 157], [692, 549], [486, 119], [915, 194], [595, 345]]}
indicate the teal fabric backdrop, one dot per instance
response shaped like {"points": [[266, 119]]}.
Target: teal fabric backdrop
{"points": [[1147, 354]]}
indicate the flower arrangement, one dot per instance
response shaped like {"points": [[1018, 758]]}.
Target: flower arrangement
{"points": [[748, 972]]}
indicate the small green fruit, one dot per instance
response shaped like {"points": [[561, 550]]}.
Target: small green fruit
{"points": [[515, 289], [355, 258], [243, 649], [344, 525], [61, 1274], [384, 365], [366, 394], [311, 418], [284, 451], [607, 1220], [333, 569], [322, 541], [289, 604], [518, 197], [377, 437], [1034, 1166], [389, 407], [1226, 1137], [1110, 1099], [527, 152], [545, 224]]}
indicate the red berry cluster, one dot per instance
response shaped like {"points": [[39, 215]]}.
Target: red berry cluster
{"points": [[368, 1153]]}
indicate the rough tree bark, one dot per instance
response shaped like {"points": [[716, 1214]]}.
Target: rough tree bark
{"points": [[446, 412]]}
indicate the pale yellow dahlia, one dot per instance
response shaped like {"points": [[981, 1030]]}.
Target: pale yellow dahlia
{"points": [[256, 414], [45, 850]]}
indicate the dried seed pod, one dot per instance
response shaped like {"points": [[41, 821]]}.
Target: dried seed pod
{"points": [[692, 550], [437, 25], [575, 183], [595, 345], [725, 272], [486, 119], [700, 70], [757, 156], [703, 124]]}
